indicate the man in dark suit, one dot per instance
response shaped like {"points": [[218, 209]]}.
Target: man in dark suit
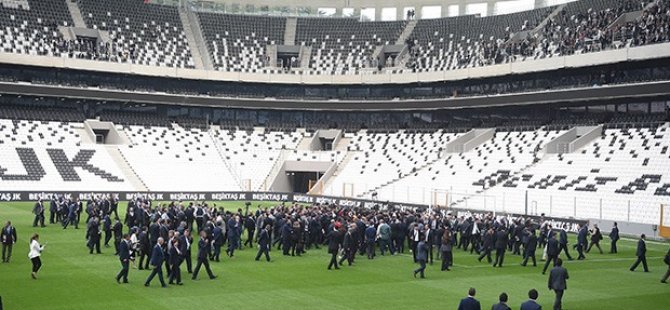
{"points": [[370, 237], [124, 257], [204, 247], [94, 235], [641, 254], [234, 230], [8, 237], [470, 303], [38, 210], [501, 245], [558, 282], [582, 242], [563, 242], [175, 259], [53, 210], [529, 249], [531, 303], [335, 238], [502, 305], [552, 251], [487, 245], [157, 260], [264, 243], [250, 226], [614, 236], [186, 241], [596, 236], [217, 235], [421, 255]]}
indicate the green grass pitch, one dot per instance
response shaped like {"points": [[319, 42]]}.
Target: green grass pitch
{"points": [[73, 279]]}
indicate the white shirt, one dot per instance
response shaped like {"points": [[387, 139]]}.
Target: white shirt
{"points": [[35, 249]]}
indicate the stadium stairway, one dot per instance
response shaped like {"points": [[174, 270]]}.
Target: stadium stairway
{"points": [[196, 44], [289, 31], [220, 152], [406, 32], [128, 171], [77, 18]]}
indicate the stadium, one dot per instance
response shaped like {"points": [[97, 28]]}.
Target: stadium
{"points": [[382, 136]]}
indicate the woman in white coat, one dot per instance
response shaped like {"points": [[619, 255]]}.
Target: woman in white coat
{"points": [[35, 253]]}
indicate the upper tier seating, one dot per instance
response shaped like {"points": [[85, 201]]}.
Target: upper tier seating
{"points": [[344, 45], [239, 43], [141, 33], [469, 41], [33, 30]]}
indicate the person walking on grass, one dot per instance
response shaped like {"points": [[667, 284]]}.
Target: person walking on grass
{"points": [[35, 254]]}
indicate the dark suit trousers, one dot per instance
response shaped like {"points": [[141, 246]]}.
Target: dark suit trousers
{"points": [[550, 259], [485, 253], [597, 244], [189, 263], [613, 248], [158, 270], [640, 259], [144, 253], [531, 256], [500, 257], [563, 247], [123, 274], [202, 261], [39, 218], [580, 250], [445, 260], [175, 273], [250, 238], [333, 261], [666, 276], [422, 264], [558, 300], [348, 256], [370, 249], [6, 252], [263, 250], [108, 236]]}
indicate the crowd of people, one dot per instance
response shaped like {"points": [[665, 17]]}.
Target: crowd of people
{"points": [[563, 35], [159, 237]]}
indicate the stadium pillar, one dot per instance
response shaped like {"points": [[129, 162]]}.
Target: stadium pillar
{"points": [[575, 206], [628, 211], [601, 208], [526, 203]]}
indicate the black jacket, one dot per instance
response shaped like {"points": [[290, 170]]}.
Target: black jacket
{"points": [[501, 240]]}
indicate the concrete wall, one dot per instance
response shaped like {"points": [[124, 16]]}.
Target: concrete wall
{"points": [[113, 136], [586, 135], [456, 145], [583, 60], [481, 136], [632, 230], [554, 147], [334, 134]]}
